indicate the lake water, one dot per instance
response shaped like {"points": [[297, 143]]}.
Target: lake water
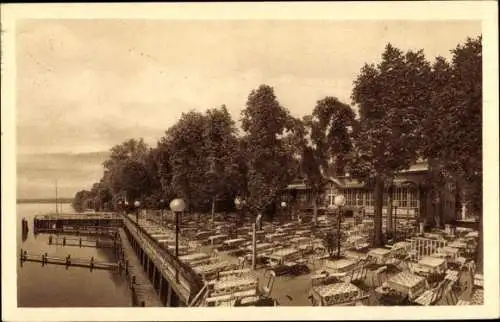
{"points": [[56, 286]]}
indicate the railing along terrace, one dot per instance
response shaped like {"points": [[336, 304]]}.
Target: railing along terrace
{"points": [[185, 271], [78, 216]]}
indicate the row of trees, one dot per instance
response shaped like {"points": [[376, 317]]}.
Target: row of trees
{"points": [[407, 109]]}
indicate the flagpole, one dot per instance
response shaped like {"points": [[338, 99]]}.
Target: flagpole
{"points": [[57, 207]]}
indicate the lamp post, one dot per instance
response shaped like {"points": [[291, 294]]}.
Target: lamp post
{"points": [[283, 207], [162, 206], [395, 205], [177, 205], [339, 201], [120, 206], [137, 204], [239, 203]]}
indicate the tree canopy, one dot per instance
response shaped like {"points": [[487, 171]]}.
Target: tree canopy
{"points": [[265, 123], [390, 97]]}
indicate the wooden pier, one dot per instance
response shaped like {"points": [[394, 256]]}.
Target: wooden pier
{"points": [[82, 242], [143, 292], [58, 223], [80, 231], [68, 261], [155, 276], [162, 267]]}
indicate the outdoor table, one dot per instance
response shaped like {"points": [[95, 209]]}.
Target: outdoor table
{"points": [[181, 247], [259, 234], [407, 283], [472, 234], [354, 255], [302, 232], [261, 246], [217, 238], [211, 268], [380, 254], [458, 244], [433, 235], [165, 241], [233, 242], [234, 284], [231, 297], [337, 294], [305, 247], [449, 253], [433, 264], [193, 257], [340, 265], [284, 254], [273, 237], [299, 240], [160, 235], [202, 235]]}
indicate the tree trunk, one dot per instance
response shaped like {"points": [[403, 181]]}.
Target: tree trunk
{"points": [[339, 221], [479, 255], [213, 209], [389, 212], [379, 199], [315, 208], [258, 221]]}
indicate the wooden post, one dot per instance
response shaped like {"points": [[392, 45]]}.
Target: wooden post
{"points": [[169, 295], [80, 242], [254, 246], [176, 245], [160, 286], [64, 241]]}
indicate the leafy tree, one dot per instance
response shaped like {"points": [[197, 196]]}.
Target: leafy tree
{"points": [[390, 97], [79, 200], [221, 146], [453, 126], [135, 150], [265, 122], [331, 241], [187, 158], [132, 178], [131, 149], [329, 143]]}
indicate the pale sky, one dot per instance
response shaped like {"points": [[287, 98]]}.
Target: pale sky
{"points": [[85, 85]]}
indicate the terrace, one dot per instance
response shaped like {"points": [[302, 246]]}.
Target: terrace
{"points": [[293, 267]]}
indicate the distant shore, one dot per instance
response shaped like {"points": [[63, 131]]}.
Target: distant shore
{"points": [[44, 200]]}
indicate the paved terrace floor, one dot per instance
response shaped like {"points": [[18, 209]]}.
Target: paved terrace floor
{"points": [[287, 290]]}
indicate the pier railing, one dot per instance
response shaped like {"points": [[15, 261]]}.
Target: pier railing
{"points": [[79, 216], [166, 261]]}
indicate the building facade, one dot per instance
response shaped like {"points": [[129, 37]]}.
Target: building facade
{"points": [[409, 189]]}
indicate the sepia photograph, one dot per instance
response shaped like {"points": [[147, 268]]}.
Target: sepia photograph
{"points": [[196, 160]]}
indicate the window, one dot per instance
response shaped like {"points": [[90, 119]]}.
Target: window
{"points": [[401, 196], [369, 198], [412, 198], [359, 197], [348, 193]]}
